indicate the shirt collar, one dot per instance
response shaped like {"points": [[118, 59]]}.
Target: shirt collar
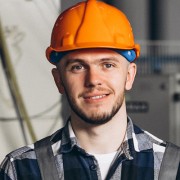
{"points": [[135, 140]]}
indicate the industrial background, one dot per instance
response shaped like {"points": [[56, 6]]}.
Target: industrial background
{"points": [[30, 105]]}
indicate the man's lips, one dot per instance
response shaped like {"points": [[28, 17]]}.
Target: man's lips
{"points": [[95, 94], [95, 97]]}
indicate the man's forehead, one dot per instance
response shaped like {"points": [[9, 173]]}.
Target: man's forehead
{"points": [[100, 52]]}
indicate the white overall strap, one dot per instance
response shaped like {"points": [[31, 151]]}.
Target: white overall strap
{"points": [[170, 163], [46, 160]]}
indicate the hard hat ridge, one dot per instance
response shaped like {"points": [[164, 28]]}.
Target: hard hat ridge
{"points": [[93, 16]]}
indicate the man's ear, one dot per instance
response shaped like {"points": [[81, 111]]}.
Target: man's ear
{"points": [[57, 79], [132, 68]]}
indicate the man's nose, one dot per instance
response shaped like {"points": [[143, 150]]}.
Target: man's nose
{"points": [[93, 77]]}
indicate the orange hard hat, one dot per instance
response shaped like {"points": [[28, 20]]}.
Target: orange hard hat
{"points": [[92, 24]]}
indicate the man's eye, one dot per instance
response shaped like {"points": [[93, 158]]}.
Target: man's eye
{"points": [[77, 67], [108, 65]]}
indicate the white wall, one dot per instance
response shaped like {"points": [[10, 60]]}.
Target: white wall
{"points": [[27, 28]]}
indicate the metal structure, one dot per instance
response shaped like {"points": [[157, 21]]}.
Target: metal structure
{"points": [[154, 105], [159, 57]]}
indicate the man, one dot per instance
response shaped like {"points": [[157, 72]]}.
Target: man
{"points": [[93, 48]]}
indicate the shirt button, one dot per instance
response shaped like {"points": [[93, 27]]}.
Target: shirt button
{"points": [[93, 167]]}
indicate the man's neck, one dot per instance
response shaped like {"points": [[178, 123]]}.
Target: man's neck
{"points": [[101, 139]]}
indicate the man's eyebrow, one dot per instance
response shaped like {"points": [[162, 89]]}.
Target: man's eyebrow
{"points": [[109, 59], [72, 61], [83, 61]]}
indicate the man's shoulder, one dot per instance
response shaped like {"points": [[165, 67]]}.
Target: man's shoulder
{"points": [[22, 153], [17, 161], [145, 141], [23, 161], [28, 152]]}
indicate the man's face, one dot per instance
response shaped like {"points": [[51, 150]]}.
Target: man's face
{"points": [[94, 81]]}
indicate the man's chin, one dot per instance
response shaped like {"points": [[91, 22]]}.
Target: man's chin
{"points": [[96, 120]]}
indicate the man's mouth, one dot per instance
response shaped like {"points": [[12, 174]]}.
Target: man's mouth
{"points": [[96, 97]]}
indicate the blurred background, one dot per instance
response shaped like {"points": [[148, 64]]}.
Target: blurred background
{"points": [[30, 105]]}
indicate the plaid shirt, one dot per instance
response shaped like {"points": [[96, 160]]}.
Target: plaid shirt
{"points": [[139, 158]]}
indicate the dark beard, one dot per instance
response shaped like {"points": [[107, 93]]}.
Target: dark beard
{"points": [[95, 119]]}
